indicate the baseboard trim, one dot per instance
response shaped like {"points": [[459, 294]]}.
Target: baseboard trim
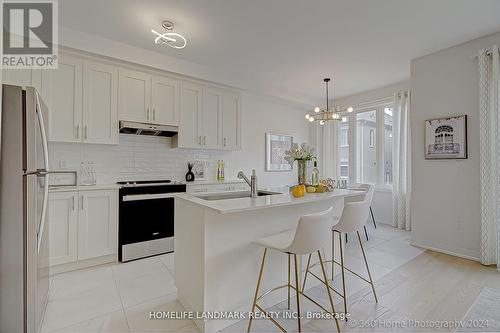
{"points": [[86, 263], [451, 253]]}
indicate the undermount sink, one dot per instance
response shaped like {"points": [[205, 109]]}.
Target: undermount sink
{"points": [[232, 195]]}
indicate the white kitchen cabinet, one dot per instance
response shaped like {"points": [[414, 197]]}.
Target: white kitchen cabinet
{"points": [[231, 122], [212, 119], [148, 98], [190, 101], [61, 89], [17, 77], [63, 219], [100, 111], [134, 99], [83, 225], [97, 224], [165, 101]]}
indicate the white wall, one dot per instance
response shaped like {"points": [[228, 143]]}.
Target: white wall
{"points": [[261, 115], [445, 210]]}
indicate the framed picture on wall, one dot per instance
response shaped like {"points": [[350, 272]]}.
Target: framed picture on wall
{"points": [[446, 138], [276, 145]]}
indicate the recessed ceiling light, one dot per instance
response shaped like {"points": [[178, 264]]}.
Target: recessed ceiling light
{"points": [[169, 38]]}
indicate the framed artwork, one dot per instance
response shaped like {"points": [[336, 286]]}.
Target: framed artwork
{"points": [[276, 145], [446, 138], [199, 170]]}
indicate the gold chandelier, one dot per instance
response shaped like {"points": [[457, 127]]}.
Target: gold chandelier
{"points": [[324, 115]]}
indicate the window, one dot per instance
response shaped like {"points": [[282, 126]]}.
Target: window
{"points": [[365, 145], [344, 150], [388, 145], [366, 152]]}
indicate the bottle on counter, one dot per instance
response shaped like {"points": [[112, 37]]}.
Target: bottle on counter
{"points": [[315, 174], [222, 170], [93, 179], [218, 170], [85, 176]]}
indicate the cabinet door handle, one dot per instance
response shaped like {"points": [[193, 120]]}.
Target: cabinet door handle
{"points": [[85, 132], [77, 131], [225, 141], [154, 114], [73, 205], [204, 140], [82, 203], [155, 233]]}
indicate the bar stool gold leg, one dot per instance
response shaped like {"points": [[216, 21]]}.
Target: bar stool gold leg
{"points": [[343, 274], [288, 281], [367, 268], [307, 271], [328, 290], [297, 292], [333, 254], [257, 289]]}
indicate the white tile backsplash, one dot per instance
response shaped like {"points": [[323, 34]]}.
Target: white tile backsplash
{"points": [[136, 158]]}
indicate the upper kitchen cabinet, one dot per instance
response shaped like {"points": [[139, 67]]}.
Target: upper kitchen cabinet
{"points": [[100, 96], [165, 101], [82, 99], [147, 98], [134, 99], [209, 117], [61, 89], [17, 77], [212, 118], [190, 101], [231, 122]]}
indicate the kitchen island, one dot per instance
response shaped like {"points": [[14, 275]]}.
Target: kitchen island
{"points": [[216, 264]]}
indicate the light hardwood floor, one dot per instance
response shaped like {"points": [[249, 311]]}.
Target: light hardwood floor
{"points": [[412, 284]]}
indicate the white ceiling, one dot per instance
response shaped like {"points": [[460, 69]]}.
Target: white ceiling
{"points": [[286, 47]]}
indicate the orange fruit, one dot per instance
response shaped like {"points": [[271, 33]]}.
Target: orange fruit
{"points": [[297, 192]]}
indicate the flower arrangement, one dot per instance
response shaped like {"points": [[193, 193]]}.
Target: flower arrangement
{"points": [[302, 153]]}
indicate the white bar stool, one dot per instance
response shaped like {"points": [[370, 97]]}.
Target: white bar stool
{"points": [[353, 218], [310, 236]]}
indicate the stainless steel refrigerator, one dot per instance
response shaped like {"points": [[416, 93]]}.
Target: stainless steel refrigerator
{"points": [[24, 247]]}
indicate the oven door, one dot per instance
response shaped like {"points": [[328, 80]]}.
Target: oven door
{"points": [[146, 217]]}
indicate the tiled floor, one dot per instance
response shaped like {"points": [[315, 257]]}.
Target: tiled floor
{"points": [[410, 284]]}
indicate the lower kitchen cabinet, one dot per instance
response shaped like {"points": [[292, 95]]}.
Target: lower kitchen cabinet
{"points": [[83, 225], [97, 224], [63, 217]]}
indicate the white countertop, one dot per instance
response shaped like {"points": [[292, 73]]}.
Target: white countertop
{"points": [[84, 188], [214, 182], [227, 206]]}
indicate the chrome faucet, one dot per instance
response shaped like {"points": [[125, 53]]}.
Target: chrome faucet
{"points": [[252, 183]]}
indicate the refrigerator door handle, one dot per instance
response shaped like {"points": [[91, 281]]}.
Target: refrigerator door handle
{"points": [[46, 171]]}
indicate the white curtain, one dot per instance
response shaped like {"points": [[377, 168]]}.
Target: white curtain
{"points": [[401, 191], [489, 128], [325, 142]]}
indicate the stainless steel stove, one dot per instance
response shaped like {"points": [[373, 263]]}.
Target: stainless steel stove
{"points": [[146, 220]]}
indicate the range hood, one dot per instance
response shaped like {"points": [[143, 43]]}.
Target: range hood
{"points": [[131, 127]]}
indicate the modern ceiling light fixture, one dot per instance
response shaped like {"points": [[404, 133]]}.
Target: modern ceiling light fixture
{"points": [[324, 115], [169, 38]]}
